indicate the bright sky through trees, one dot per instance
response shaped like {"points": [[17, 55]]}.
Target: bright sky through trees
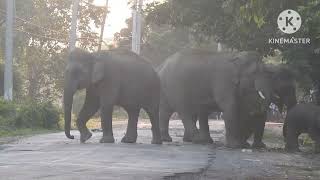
{"points": [[119, 12]]}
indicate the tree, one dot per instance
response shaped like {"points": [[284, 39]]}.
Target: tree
{"points": [[247, 25], [41, 40]]}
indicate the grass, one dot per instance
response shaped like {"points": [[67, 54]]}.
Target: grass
{"points": [[274, 136], [25, 132]]}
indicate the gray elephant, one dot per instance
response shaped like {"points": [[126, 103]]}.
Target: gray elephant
{"points": [[196, 82], [282, 85], [302, 118], [115, 77]]}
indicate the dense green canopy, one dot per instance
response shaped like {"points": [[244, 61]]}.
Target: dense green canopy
{"points": [[41, 33], [248, 25]]}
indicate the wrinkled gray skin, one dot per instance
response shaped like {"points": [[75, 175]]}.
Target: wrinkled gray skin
{"points": [[195, 83], [302, 118], [282, 86], [116, 77]]}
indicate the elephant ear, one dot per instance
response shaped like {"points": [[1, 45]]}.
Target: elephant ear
{"points": [[98, 72], [247, 64]]}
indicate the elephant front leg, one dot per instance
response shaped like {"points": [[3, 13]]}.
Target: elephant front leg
{"points": [[107, 100], [187, 135], [190, 128], [90, 107], [165, 114], [258, 132], [314, 133], [204, 128], [106, 124], [131, 134], [233, 137], [291, 139], [153, 113]]}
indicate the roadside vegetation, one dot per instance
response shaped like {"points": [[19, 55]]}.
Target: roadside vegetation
{"points": [[42, 34], [28, 117]]}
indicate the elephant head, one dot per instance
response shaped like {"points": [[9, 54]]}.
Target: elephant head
{"points": [[83, 70], [253, 79], [283, 86], [270, 82]]}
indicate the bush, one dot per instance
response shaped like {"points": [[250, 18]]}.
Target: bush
{"points": [[7, 114], [32, 115], [28, 114]]}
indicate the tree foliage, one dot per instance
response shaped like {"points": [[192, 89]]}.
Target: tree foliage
{"points": [[41, 33], [247, 25]]}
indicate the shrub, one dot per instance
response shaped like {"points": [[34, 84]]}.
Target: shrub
{"points": [[7, 114], [32, 115]]}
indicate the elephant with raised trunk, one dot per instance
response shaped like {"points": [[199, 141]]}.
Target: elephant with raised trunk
{"points": [[196, 82], [115, 77]]}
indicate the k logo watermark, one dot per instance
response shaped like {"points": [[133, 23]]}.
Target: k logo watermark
{"points": [[289, 21]]}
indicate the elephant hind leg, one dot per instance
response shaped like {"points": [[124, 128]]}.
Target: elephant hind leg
{"points": [[90, 107], [131, 134]]}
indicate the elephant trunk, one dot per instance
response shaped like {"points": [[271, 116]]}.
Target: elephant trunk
{"points": [[68, 100], [291, 100]]}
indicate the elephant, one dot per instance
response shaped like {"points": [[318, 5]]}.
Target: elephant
{"points": [[196, 82], [302, 118], [282, 85], [113, 77]]}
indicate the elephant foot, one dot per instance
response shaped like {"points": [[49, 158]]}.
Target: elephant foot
{"points": [[259, 145], [245, 145], [187, 137], [107, 139], [292, 149], [85, 136], [165, 137], [129, 139], [209, 140], [234, 144], [156, 141], [205, 139]]}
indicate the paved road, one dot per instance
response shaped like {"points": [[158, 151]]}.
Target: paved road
{"points": [[52, 156]]}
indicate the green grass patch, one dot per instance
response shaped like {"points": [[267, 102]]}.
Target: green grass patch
{"points": [[25, 132]]}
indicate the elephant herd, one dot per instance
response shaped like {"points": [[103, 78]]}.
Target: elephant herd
{"points": [[191, 82]]}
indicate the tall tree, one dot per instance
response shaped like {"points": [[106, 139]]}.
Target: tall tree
{"points": [[41, 37], [247, 25]]}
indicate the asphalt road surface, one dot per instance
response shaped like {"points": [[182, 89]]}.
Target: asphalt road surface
{"points": [[53, 156]]}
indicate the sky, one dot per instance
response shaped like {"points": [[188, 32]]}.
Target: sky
{"points": [[119, 12]]}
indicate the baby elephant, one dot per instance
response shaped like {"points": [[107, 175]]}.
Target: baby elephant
{"points": [[302, 118]]}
